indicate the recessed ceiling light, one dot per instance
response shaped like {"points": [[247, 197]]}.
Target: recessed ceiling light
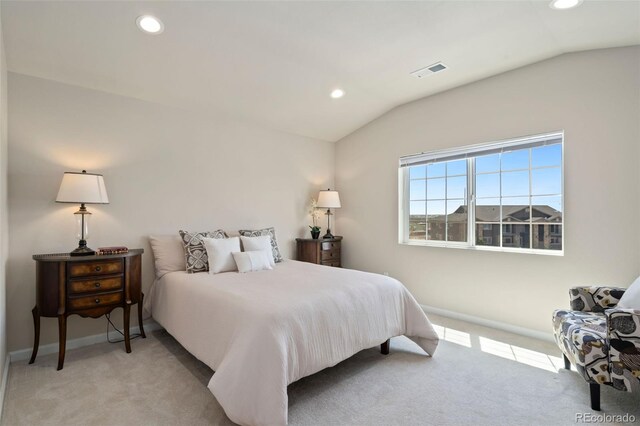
{"points": [[150, 24], [564, 4], [337, 93]]}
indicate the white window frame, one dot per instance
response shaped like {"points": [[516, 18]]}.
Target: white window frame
{"points": [[469, 153]]}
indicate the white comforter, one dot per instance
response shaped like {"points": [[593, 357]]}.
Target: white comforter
{"points": [[261, 331]]}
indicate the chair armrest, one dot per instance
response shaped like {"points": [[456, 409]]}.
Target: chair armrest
{"points": [[594, 299], [623, 334]]}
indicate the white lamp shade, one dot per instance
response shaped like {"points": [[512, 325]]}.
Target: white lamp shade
{"points": [[83, 188], [328, 200]]}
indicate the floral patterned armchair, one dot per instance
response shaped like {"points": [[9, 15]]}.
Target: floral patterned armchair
{"points": [[602, 341]]}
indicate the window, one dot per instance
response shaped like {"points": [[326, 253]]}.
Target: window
{"points": [[505, 196]]}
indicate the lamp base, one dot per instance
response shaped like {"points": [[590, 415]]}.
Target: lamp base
{"points": [[328, 234], [82, 250]]}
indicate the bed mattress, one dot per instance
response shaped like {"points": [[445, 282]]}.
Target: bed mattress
{"points": [[261, 331]]}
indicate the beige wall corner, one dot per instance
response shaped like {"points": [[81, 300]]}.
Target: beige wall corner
{"points": [[594, 96], [4, 213]]}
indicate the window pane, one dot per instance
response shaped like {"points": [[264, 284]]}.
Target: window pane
{"points": [[515, 184], [418, 172], [417, 208], [518, 159], [435, 189], [546, 181], [546, 156], [435, 208], [488, 163], [516, 210], [456, 207], [457, 218], [488, 222], [436, 170], [488, 234], [417, 220], [488, 185], [547, 236], [546, 215], [435, 220], [458, 167], [488, 210], [417, 189], [457, 187], [547, 209], [515, 235]]}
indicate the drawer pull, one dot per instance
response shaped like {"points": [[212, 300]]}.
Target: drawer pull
{"points": [[98, 268], [97, 285], [97, 301]]}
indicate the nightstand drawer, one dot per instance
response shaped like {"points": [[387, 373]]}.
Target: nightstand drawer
{"points": [[330, 246], [101, 299], [330, 255], [320, 251], [95, 268], [95, 285]]}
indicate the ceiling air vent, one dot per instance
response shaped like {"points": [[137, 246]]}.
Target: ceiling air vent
{"points": [[431, 69]]}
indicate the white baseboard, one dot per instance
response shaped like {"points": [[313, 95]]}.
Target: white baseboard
{"points": [[547, 337], [22, 354]]}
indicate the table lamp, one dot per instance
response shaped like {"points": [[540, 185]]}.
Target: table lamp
{"points": [[82, 188], [328, 200]]}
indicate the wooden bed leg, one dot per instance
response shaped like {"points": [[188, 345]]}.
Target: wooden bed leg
{"points": [[384, 348]]}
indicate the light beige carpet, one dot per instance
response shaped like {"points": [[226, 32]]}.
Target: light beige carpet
{"points": [[479, 376]]}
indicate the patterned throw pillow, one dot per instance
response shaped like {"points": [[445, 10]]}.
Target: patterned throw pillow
{"points": [[194, 252], [277, 257]]}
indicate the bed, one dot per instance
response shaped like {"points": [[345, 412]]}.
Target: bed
{"points": [[261, 331]]}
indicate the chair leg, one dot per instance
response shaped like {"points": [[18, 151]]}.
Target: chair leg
{"points": [[567, 363], [594, 390]]}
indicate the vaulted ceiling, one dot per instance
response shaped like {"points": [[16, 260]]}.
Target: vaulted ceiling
{"points": [[275, 63]]}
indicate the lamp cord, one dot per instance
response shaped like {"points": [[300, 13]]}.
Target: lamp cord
{"points": [[131, 337]]}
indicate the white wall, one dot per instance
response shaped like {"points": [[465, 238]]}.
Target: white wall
{"points": [[4, 210], [165, 169], [595, 97]]}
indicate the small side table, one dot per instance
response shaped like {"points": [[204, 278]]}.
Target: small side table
{"points": [[89, 286], [322, 251]]}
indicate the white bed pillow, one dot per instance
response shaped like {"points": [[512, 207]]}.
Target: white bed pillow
{"points": [[631, 297], [252, 261], [219, 253], [262, 242], [168, 254]]}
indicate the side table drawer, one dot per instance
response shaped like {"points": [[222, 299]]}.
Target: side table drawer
{"points": [[320, 251], [330, 255], [330, 246], [101, 299], [96, 268], [95, 285]]}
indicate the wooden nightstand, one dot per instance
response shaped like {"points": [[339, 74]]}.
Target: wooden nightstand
{"points": [[89, 286], [323, 251]]}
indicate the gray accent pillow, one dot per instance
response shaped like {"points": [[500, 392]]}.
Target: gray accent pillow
{"points": [[277, 257], [195, 253]]}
